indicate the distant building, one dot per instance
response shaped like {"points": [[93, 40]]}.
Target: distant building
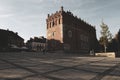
{"points": [[67, 32], [36, 44], [9, 39]]}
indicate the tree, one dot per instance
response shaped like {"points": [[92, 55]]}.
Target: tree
{"points": [[119, 35], [119, 41], [106, 36]]}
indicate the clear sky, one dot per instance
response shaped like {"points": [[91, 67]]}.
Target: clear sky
{"points": [[28, 17]]}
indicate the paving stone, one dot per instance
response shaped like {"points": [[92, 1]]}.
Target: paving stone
{"points": [[13, 73], [27, 63], [94, 69], [71, 74], [44, 68], [37, 78], [69, 63], [6, 66], [103, 64], [115, 72], [111, 77], [3, 65], [50, 61]]}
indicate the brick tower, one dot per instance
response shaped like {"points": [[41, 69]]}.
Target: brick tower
{"points": [[67, 32]]}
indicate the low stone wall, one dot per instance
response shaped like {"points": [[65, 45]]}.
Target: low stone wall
{"points": [[108, 54]]}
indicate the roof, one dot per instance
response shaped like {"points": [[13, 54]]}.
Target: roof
{"points": [[10, 33]]}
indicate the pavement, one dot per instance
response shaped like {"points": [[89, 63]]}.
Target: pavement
{"points": [[57, 66]]}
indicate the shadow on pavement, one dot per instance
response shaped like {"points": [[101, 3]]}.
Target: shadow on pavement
{"points": [[10, 79]]}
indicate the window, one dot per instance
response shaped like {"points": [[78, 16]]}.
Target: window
{"points": [[53, 34], [55, 22], [59, 21], [52, 23], [47, 25], [69, 33]]}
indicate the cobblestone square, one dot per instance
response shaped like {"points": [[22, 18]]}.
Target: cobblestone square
{"points": [[57, 66]]}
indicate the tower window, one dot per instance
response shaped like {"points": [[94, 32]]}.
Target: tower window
{"points": [[47, 25], [55, 22], [53, 34], [59, 21], [52, 23]]}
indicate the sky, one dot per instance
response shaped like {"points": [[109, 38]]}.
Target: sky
{"points": [[28, 17]]}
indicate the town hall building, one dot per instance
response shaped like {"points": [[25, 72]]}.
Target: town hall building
{"points": [[69, 33]]}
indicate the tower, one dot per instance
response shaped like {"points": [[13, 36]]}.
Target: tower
{"points": [[68, 32], [54, 30]]}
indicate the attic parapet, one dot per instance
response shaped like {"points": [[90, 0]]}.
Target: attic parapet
{"points": [[58, 14]]}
